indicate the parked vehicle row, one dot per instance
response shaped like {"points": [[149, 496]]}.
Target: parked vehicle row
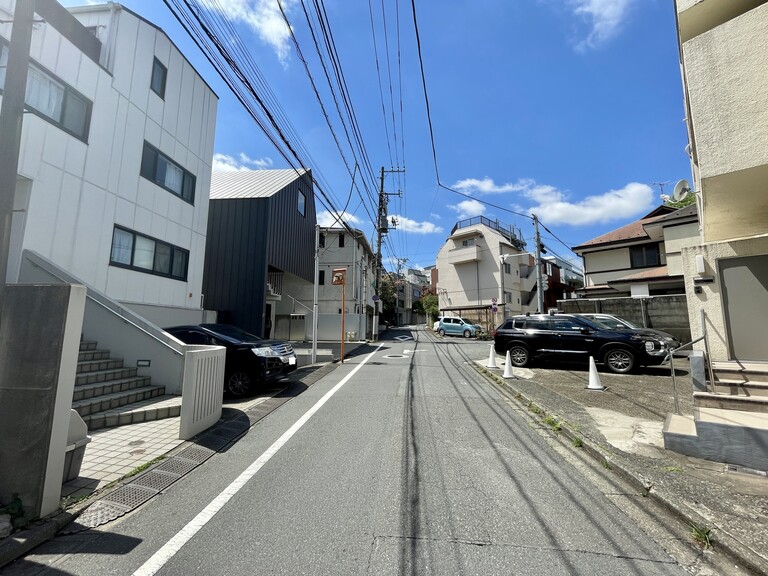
{"points": [[250, 361], [569, 336]]}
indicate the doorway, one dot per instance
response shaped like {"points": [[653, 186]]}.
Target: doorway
{"points": [[745, 300]]}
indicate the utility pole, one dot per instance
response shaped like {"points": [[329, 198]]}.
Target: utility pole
{"points": [[11, 117], [539, 275], [381, 229]]}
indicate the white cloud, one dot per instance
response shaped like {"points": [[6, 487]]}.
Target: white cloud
{"points": [[488, 186], [553, 207], [605, 18], [435, 216], [261, 16], [407, 225], [468, 208], [333, 219], [226, 163]]}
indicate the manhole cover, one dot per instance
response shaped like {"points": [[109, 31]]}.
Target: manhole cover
{"points": [[196, 453], [136, 443], [178, 466], [138, 451], [394, 356], [131, 495], [97, 514], [156, 480]]}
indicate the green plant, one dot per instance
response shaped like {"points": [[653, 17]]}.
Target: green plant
{"points": [[577, 443], [701, 534], [673, 469], [144, 466], [553, 423], [533, 408], [606, 464]]}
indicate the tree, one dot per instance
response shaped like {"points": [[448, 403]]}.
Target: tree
{"points": [[429, 305], [388, 295]]}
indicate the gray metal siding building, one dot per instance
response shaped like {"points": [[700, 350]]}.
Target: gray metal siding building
{"points": [[256, 234]]}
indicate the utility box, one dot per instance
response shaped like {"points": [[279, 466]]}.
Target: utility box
{"points": [[77, 440]]}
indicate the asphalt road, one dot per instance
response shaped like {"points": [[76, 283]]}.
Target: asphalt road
{"points": [[414, 465]]}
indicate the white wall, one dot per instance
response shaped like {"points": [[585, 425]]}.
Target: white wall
{"points": [[80, 190]]}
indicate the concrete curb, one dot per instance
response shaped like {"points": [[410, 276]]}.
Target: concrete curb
{"points": [[725, 542], [20, 543]]}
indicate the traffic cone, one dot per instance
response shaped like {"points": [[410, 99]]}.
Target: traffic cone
{"points": [[492, 359], [594, 377], [508, 367]]}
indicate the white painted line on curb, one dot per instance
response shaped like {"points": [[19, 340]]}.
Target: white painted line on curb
{"points": [[170, 548]]}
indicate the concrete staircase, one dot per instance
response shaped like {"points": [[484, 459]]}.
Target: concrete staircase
{"points": [[730, 424], [107, 394]]}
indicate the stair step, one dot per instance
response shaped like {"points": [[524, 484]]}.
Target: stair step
{"points": [[115, 400], [97, 365], [742, 388], [92, 355], [104, 375], [86, 345], [86, 391], [756, 404], [745, 371], [156, 408]]}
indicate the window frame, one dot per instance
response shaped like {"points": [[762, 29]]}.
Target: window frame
{"points": [[69, 94], [158, 65], [187, 176], [643, 251], [157, 242], [302, 203]]}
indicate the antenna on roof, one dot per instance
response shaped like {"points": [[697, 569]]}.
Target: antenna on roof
{"points": [[682, 189]]}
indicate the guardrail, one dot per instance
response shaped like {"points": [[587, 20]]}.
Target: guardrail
{"points": [[703, 337]]}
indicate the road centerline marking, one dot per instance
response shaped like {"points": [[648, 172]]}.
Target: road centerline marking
{"points": [[170, 548]]}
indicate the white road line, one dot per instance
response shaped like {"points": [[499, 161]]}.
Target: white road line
{"points": [[170, 548]]}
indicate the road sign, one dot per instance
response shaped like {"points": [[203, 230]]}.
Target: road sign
{"points": [[494, 300], [375, 298], [494, 309]]}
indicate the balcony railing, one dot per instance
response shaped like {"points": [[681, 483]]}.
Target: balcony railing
{"points": [[512, 234]]}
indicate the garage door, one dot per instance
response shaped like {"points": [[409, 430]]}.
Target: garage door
{"points": [[745, 302]]}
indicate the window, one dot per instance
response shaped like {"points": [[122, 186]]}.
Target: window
{"points": [[302, 203], [321, 278], [536, 324], [51, 99], [341, 239], [144, 254], [468, 242], [163, 171], [644, 256], [159, 74], [507, 297], [321, 242], [507, 268]]}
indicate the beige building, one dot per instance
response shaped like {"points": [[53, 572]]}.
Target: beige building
{"points": [[641, 259], [724, 59], [484, 263]]}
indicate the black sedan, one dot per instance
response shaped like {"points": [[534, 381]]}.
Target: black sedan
{"points": [[250, 360]]}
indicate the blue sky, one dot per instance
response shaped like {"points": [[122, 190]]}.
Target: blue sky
{"points": [[569, 109]]}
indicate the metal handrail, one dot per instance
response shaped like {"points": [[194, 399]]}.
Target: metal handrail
{"points": [[672, 370]]}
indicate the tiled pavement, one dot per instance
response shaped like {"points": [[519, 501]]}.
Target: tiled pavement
{"points": [[115, 452]]}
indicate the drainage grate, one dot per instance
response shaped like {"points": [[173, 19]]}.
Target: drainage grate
{"points": [[224, 432], [156, 480], [177, 465], [196, 453], [131, 495], [213, 442], [745, 470], [98, 513]]}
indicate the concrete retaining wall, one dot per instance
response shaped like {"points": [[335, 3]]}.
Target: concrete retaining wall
{"points": [[667, 313]]}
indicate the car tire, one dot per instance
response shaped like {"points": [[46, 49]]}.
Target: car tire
{"points": [[441, 332], [237, 384], [619, 360], [467, 333], [519, 355]]}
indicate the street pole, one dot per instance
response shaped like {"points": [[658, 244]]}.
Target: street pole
{"points": [[539, 278], [502, 260], [11, 118], [377, 286], [315, 289]]}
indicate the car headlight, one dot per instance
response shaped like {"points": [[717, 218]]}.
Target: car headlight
{"points": [[655, 347], [264, 351]]}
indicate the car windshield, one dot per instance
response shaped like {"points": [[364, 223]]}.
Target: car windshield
{"points": [[467, 321], [232, 331]]}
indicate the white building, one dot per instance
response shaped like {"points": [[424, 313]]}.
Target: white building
{"points": [[472, 276], [115, 160]]}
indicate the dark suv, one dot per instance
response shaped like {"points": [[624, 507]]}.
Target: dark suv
{"points": [[569, 336]]}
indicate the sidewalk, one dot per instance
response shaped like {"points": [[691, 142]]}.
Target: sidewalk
{"points": [[622, 427]]}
